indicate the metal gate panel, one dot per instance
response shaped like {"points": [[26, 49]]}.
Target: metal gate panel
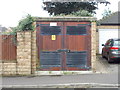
{"points": [[50, 30], [50, 59], [77, 59]]}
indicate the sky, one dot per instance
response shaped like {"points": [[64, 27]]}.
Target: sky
{"points": [[11, 11]]}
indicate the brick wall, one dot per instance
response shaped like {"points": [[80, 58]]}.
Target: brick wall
{"points": [[26, 52], [93, 44], [97, 42], [0, 67], [107, 27], [8, 67], [34, 52]]}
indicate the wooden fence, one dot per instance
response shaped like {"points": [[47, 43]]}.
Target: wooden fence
{"points": [[7, 48]]}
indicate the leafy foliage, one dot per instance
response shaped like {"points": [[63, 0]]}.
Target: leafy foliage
{"points": [[57, 8], [26, 24], [106, 12], [82, 13]]}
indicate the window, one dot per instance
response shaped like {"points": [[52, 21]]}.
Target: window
{"points": [[116, 43], [76, 30], [108, 43], [50, 30]]}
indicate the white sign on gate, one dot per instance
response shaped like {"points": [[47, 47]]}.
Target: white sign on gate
{"points": [[53, 24]]}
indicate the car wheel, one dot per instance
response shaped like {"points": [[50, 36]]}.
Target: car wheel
{"points": [[103, 55], [109, 59]]}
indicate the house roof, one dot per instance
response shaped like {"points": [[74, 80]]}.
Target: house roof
{"points": [[111, 19], [2, 29]]}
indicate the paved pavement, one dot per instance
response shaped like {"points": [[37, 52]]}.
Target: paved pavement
{"points": [[102, 66], [107, 78], [66, 80]]}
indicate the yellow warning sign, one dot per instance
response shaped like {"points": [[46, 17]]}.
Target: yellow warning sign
{"points": [[53, 37]]}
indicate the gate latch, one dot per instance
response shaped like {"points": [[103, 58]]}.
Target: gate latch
{"points": [[63, 50]]}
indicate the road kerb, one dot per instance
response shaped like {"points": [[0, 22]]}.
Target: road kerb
{"points": [[85, 85]]}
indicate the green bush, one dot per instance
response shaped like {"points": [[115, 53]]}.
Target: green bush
{"points": [[80, 13], [26, 24]]}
